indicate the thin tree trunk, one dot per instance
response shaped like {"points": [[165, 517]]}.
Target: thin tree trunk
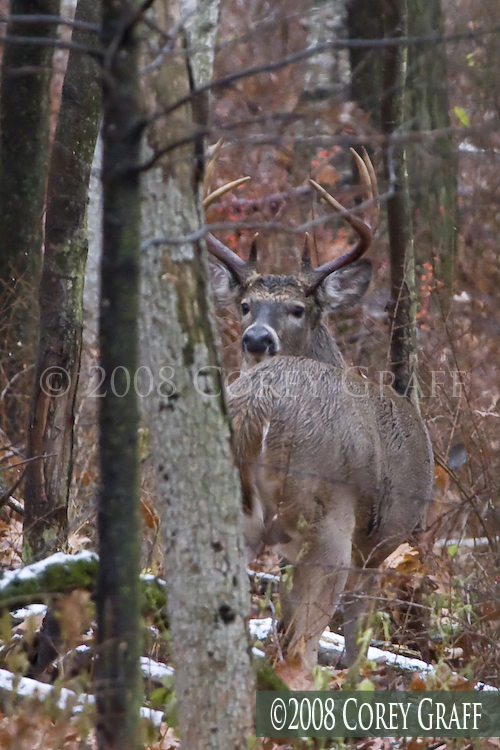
{"points": [[198, 489], [117, 679], [24, 151], [50, 431], [402, 303]]}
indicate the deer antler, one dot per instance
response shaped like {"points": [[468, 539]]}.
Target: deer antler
{"points": [[216, 194], [365, 227], [233, 262], [236, 265]]}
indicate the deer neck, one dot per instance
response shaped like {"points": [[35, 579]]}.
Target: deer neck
{"points": [[323, 347]]}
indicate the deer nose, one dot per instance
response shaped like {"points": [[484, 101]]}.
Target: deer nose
{"points": [[259, 340]]}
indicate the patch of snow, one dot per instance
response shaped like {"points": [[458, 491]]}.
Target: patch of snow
{"points": [[29, 688], [32, 610], [469, 148], [32, 571], [82, 648], [334, 642], [462, 297], [155, 717], [150, 577], [260, 629], [26, 687], [475, 542], [155, 669]]}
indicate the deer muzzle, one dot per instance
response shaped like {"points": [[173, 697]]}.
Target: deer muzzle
{"points": [[260, 339]]}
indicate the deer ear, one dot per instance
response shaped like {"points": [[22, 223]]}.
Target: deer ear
{"points": [[224, 285], [345, 287]]}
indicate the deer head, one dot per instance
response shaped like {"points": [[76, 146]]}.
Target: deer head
{"points": [[283, 314]]}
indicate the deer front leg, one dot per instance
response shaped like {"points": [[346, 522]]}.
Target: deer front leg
{"points": [[319, 573]]}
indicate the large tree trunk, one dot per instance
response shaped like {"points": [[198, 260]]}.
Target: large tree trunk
{"points": [[365, 20], [433, 164], [24, 149], [50, 431], [117, 681], [325, 81], [402, 303], [198, 489]]}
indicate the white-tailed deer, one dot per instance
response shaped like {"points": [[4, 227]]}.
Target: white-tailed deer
{"points": [[335, 474]]}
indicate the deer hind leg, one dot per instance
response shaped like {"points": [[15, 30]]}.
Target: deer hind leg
{"points": [[363, 582], [357, 604], [319, 572]]}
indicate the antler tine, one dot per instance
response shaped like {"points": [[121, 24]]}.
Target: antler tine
{"points": [[252, 258], [306, 253], [363, 228], [375, 207], [233, 262], [216, 194], [369, 180]]}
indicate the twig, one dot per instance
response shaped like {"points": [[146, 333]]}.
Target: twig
{"points": [[6, 497], [27, 461], [13, 380], [16, 506], [275, 631], [470, 498], [168, 46]]}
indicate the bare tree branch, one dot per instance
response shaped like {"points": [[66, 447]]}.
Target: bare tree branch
{"points": [[36, 41], [273, 226], [43, 19], [308, 52]]}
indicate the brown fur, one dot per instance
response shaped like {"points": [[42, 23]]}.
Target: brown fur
{"points": [[334, 474], [338, 475]]}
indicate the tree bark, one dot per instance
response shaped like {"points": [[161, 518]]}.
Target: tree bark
{"points": [[402, 303], [24, 151], [365, 21], [433, 165], [50, 431], [117, 677], [198, 489], [325, 82]]}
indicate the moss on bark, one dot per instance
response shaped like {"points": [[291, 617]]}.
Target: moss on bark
{"points": [[117, 677], [50, 432], [198, 489], [24, 152]]}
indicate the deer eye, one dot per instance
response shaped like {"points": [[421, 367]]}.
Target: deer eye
{"points": [[297, 311], [245, 308]]}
